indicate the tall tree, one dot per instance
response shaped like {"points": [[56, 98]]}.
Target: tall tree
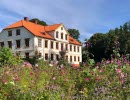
{"points": [[40, 22], [74, 33]]}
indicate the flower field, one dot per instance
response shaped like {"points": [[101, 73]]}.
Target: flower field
{"points": [[107, 80]]}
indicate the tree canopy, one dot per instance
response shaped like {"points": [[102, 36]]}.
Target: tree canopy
{"points": [[74, 33], [40, 22], [102, 45]]}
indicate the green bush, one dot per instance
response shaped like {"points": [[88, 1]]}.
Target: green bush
{"points": [[7, 57]]}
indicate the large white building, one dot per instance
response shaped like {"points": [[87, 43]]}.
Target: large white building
{"points": [[25, 37]]}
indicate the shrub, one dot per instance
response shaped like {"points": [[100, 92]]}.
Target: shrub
{"points": [[7, 57]]}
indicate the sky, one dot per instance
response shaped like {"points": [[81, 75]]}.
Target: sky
{"points": [[88, 16]]}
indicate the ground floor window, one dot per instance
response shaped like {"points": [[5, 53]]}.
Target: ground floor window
{"points": [[57, 57], [70, 58], [52, 57], [27, 54], [46, 56]]}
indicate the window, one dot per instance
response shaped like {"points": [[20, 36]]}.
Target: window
{"points": [[27, 42], [40, 55], [66, 37], [78, 49], [78, 59], [61, 35], [10, 44], [9, 33], [18, 32], [51, 45], [70, 47], [74, 58], [66, 46], [61, 28], [39, 42], [70, 58], [66, 57], [2, 44], [17, 43], [57, 45], [74, 48], [51, 56], [46, 43], [61, 46], [46, 56], [27, 54], [57, 34], [57, 57]]}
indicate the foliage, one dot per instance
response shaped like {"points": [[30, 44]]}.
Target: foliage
{"points": [[74, 33], [40, 22], [7, 57], [109, 79], [102, 45]]}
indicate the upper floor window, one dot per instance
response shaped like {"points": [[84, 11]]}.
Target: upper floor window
{"points": [[18, 32], [10, 44], [78, 49], [61, 46], [46, 43], [27, 42], [61, 28], [70, 47], [74, 48], [39, 42], [57, 45], [51, 45], [66, 37], [61, 35], [46, 56], [2, 44], [57, 34], [17, 43], [9, 33]]}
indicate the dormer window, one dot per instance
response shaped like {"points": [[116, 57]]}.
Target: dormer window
{"points": [[9, 33], [61, 28], [57, 34], [61, 35], [18, 32]]}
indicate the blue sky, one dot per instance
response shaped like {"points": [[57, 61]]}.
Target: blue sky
{"points": [[88, 16]]}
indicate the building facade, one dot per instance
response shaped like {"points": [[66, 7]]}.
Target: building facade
{"points": [[25, 38]]}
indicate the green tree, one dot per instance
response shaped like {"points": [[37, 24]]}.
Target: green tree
{"points": [[40, 22], [74, 33]]}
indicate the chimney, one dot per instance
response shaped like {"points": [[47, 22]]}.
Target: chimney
{"points": [[26, 19], [35, 21]]}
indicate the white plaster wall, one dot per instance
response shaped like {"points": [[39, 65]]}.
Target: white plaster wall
{"points": [[24, 33]]}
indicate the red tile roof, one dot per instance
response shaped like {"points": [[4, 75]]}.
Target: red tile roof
{"points": [[39, 30]]}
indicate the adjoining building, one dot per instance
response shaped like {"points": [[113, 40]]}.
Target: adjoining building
{"points": [[26, 38]]}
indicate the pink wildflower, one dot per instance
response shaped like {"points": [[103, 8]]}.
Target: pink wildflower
{"points": [[122, 81], [54, 78], [7, 72], [122, 75], [118, 71], [119, 62], [31, 74], [87, 79], [4, 81]]}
